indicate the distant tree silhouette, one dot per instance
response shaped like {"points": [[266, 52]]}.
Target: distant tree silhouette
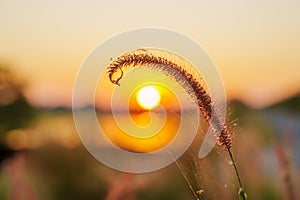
{"points": [[15, 111]]}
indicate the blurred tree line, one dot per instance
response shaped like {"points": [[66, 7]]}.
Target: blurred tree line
{"points": [[15, 111]]}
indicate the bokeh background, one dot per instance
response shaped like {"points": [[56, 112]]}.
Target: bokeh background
{"points": [[255, 45]]}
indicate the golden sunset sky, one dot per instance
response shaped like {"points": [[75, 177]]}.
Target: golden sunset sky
{"points": [[255, 44]]}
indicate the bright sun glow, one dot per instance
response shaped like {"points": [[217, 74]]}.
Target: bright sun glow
{"points": [[148, 97]]}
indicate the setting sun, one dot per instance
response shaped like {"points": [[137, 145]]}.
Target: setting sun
{"points": [[148, 97]]}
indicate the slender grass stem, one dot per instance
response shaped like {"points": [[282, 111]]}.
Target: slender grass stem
{"points": [[242, 193], [194, 190]]}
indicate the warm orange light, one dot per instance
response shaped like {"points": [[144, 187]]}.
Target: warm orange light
{"points": [[148, 97], [159, 95]]}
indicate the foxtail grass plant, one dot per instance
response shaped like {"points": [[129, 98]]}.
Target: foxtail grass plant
{"points": [[193, 86]]}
